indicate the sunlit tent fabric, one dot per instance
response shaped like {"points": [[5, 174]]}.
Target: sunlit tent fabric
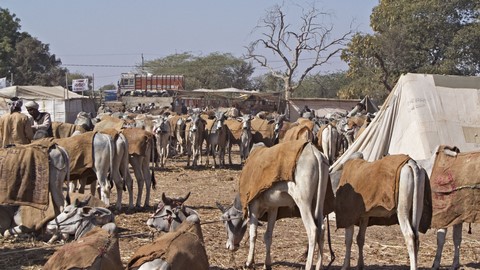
{"points": [[421, 112], [63, 105]]}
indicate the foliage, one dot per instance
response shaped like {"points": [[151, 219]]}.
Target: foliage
{"points": [[322, 86], [24, 56], [107, 87], [311, 39], [267, 83], [432, 36], [214, 71]]}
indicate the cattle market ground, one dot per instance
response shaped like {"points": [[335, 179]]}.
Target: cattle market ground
{"points": [[384, 247]]}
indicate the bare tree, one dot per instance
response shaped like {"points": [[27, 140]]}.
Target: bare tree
{"points": [[311, 39]]}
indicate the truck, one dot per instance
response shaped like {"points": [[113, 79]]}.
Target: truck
{"points": [[149, 85]]}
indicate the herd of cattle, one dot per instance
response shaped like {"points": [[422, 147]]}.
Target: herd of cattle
{"points": [[285, 173]]}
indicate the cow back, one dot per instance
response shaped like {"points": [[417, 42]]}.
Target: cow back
{"points": [[64, 130], [96, 250], [138, 140]]}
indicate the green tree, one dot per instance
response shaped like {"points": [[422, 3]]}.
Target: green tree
{"points": [[214, 71], [322, 86], [433, 36], [311, 39], [9, 33], [267, 83], [27, 58]]}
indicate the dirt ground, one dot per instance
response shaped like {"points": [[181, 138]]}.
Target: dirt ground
{"points": [[384, 247]]}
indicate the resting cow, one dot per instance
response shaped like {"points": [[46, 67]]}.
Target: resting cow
{"points": [[97, 249], [455, 189], [170, 213], [40, 202], [372, 193], [178, 250], [285, 187]]}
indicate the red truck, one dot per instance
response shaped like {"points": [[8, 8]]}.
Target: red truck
{"points": [[131, 84]]}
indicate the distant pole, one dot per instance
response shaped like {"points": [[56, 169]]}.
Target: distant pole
{"points": [[93, 84], [143, 70], [66, 83]]}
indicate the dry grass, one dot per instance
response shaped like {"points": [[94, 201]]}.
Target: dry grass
{"points": [[384, 247]]}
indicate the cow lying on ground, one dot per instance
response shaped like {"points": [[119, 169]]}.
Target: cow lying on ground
{"points": [[361, 199], [178, 250], [170, 213], [79, 218], [36, 210], [97, 249], [299, 187], [454, 182]]}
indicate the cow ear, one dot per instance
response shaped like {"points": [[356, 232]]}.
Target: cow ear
{"points": [[76, 203], [271, 121], [86, 211], [239, 119]]}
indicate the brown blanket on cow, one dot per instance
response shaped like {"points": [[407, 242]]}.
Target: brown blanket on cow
{"points": [[267, 165], [80, 151], [96, 247], [455, 184], [24, 176], [297, 132], [111, 132], [108, 121], [64, 130], [182, 249], [137, 140], [367, 185]]}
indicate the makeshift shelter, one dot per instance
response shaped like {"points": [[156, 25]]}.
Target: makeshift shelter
{"points": [[421, 112], [63, 105], [370, 107]]}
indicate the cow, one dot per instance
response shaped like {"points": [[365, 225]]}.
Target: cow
{"points": [[64, 130], [298, 132], [162, 132], [177, 250], [97, 249], [170, 213], [194, 136], [462, 171], [90, 153], [141, 149], [263, 131], [302, 186], [217, 140], [240, 133], [24, 218], [401, 194], [177, 133], [328, 140], [79, 218]]}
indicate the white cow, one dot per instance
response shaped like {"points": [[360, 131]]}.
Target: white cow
{"points": [[307, 192], [59, 171], [240, 130], [329, 142], [194, 136], [161, 129], [408, 210], [217, 140]]}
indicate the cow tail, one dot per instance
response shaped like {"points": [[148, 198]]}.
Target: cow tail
{"points": [[67, 168], [112, 152], [152, 173], [418, 182], [125, 162]]}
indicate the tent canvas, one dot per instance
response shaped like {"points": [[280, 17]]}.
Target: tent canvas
{"points": [[421, 112], [63, 105]]}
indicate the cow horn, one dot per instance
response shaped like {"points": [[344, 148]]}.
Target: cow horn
{"points": [[165, 199], [185, 198], [221, 207]]}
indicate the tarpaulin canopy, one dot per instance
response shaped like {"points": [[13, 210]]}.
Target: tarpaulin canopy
{"points": [[422, 112]]}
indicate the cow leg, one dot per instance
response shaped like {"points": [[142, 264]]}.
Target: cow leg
{"points": [[361, 241], [441, 233], [148, 181], [457, 241], [253, 237], [136, 163], [129, 183], [272, 217], [348, 246]]}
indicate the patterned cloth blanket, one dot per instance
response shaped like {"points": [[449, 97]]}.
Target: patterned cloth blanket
{"points": [[455, 184], [24, 176], [367, 185], [182, 249], [267, 165], [97, 245]]}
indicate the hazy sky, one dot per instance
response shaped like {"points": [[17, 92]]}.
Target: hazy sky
{"points": [[106, 38]]}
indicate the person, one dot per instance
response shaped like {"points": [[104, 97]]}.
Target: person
{"points": [[15, 127], [41, 120], [184, 108]]}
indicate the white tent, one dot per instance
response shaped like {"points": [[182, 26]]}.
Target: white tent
{"points": [[421, 112], [63, 105]]}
